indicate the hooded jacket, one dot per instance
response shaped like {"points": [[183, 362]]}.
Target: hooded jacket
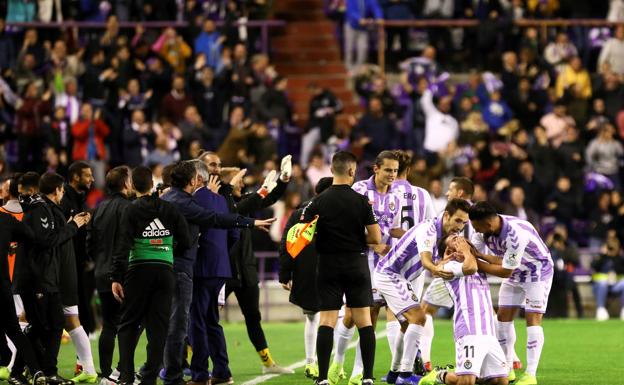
{"points": [[40, 272], [152, 232]]}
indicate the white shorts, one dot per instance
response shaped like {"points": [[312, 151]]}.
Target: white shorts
{"points": [[70, 310], [19, 305], [480, 356], [397, 292], [532, 296], [437, 294], [419, 285], [377, 298]]}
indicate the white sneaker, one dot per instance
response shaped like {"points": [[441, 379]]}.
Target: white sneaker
{"points": [[622, 314], [114, 375], [106, 381], [602, 314], [276, 369]]}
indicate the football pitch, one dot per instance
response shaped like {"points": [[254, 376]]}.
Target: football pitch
{"points": [[576, 352]]}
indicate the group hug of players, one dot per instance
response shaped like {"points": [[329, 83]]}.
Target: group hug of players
{"points": [[459, 248]]}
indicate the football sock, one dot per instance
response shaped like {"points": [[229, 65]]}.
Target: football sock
{"points": [[324, 342], [411, 341], [310, 331], [83, 349], [535, 343], [265, 357], [426, 339], [358, 367], [506, 339], [367, 345], [397, 352], [342, 338], [392, 328]]}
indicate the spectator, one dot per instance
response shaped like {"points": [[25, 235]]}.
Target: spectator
{"points": [[570, 158], [324, 106], [496, 112], [69, 100], [89, 133], [136, 139], [318, 168], [209, 44], [556, 123], [59, 135], [160, 155], [604, 153], [441, 128], [31, 45], [397, 10], [300, 183], [62, 65], [557, 53], [208, 94], [616, 11], [262, 147], [574, 83], [601, 220], [28, 122], [609, 262], [437, 196], [175, 103], [233, 148], [612, 52], [566, 259], [563, 203], [517, 208], [544, 156], [193, 129], [173, 49], [25, 72], [612, 92], [597, 120], [359, 15], [7, 49], [375, 131], [274, 106]]}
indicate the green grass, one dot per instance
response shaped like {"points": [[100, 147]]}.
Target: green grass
{"points": [[576, 352]]}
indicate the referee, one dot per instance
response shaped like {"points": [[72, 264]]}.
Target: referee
{"points": [[345, 226]]}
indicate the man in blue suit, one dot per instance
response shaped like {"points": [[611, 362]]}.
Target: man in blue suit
{"points": [[186, 178]]}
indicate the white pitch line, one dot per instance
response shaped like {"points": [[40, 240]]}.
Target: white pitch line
{"points": [[300, 364]]}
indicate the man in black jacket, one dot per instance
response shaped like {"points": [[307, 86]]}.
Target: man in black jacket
{"points": [[12, 230], [299, 277], [103, 231], [76, 288], [39, 284], [153, 234]]}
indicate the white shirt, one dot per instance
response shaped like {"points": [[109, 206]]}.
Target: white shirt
{"points": [[440, 129]]}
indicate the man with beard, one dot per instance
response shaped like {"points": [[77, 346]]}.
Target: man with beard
{"points": [[76, 288]]}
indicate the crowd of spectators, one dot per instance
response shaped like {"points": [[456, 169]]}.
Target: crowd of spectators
{"points": [[538, 126]]}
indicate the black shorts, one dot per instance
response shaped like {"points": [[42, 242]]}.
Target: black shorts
{"points": [[68, 280], [344, 275]]}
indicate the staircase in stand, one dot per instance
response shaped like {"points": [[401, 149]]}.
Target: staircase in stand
{"points": [[307, 50]]}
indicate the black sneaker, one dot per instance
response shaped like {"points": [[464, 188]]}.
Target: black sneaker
{"points": [[18, 380], [39, 379], [58, 380]]}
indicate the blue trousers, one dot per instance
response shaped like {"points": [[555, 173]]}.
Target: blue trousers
{"points": [[205, 332], [175, 346]]}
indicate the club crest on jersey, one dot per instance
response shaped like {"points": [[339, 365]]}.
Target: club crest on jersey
{"points": [[512, 258], [391, 206], [467, 364]]}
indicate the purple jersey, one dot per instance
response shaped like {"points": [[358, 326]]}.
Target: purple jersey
{"points": [[416, 205], [521, 248], [474, 312], [404, 257], [386, 208]]}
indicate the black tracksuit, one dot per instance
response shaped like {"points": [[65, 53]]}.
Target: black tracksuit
{"points": [[151, 234], [12, 230], [81, 284], [38, 284], [244, 265], [102, 233]]}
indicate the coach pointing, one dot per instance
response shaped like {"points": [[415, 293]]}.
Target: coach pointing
{"points": [[346, 224]]}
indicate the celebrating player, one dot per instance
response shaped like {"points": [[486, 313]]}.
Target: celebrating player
{"points": [[393, 277], [522, 258], [477, 352]]}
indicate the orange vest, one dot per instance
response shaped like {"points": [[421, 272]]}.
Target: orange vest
{"points": [[13, 246]]}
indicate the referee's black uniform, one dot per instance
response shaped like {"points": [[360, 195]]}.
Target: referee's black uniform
{"points": [[342, 266]]}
